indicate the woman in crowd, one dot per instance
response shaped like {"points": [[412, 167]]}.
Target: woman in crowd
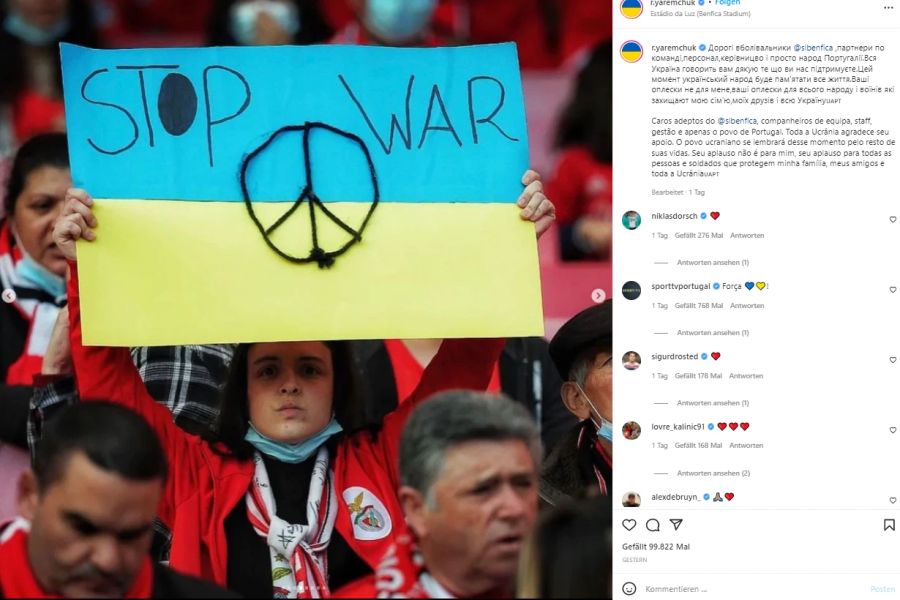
{"points": [[290, 496], [30, 76], [33, 289], [31, 272]]}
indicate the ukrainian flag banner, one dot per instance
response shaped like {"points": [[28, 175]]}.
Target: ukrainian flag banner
{"points": [[301, 193]]}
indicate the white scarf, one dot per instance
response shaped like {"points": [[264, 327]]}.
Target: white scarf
{"points": [[299, 553]]}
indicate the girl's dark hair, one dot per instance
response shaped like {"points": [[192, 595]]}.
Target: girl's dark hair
{"points": [[13, 75], [587, 118], [234, 415], [46, 150]]}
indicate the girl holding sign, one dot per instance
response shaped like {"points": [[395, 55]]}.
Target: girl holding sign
{"points": [[288, 497]]}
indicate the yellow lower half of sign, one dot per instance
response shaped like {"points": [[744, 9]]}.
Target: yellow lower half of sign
{"points": [[172, 273]]}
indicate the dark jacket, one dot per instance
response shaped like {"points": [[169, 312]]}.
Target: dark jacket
{"points": [[567, 472], [526, 374], [13, 398], [170, 584]]}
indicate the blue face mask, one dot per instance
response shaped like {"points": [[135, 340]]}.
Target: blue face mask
{"points": [[399, 19], [18, 27], [245, 14], [605, 429], [291, 453], [34, 274]]}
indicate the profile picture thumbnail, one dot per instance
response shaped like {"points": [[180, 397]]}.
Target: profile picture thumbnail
{"points": [[631, 500], [631, 360], [631, 430], [631, 290], [631, 220]]}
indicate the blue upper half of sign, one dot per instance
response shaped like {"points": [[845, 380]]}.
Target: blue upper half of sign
{"points": [[410, 125]]}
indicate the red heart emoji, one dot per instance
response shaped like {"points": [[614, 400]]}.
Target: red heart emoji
{"points": [[729, 496], [745, 426], [716, 355], [733, 426], [722, 426], [714, 215]]}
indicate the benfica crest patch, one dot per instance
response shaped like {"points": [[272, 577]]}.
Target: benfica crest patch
{"points": [[369, 517]]}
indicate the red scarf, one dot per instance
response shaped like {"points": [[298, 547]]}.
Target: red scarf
{"points": [[18, 581], [583, 438], [298, 553]]}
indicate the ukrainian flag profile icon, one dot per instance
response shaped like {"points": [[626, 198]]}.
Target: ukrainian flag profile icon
{"points": [[631, 51], [631, 9]]}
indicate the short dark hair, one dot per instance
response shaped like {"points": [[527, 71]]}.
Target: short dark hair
{"points": [[45, 150], [112, 437], [234, 415], [456, 417]]}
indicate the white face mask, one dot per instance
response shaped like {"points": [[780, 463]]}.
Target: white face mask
{"points": [[399, 19], [605, 428], [32, 35], [245, 14]]}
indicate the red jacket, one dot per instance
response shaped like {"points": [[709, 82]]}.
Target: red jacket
{"points": [[204, 487]]}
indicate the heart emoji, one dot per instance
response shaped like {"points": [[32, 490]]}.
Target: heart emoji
{"points": [[716, 355], [893, 430], [714, 215], [761, 284], [893, 219], [749, 285], [733, 426], [722, 426], [729, 496], [893, 289], [893, 499], [893, 359], [629, 524], [745, 426]]}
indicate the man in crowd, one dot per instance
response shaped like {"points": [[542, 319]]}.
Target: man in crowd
{"points": [[581, 463], [88, 508], [468, 472]]}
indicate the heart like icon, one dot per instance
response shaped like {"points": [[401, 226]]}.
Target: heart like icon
{"points": [[733, 426], [722, 426], [714, 215], [629, 524], [745, 426], [893, 499], [761, 284], [893, 289], [749, 285], [893, 430], [729, 496], [716, 355], [893, 359]]}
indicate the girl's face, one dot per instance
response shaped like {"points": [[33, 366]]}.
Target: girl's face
{"points": [[36, 210], [290, 389]]}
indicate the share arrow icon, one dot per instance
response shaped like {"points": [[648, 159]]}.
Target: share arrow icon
{"points": [[676, 523]]}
